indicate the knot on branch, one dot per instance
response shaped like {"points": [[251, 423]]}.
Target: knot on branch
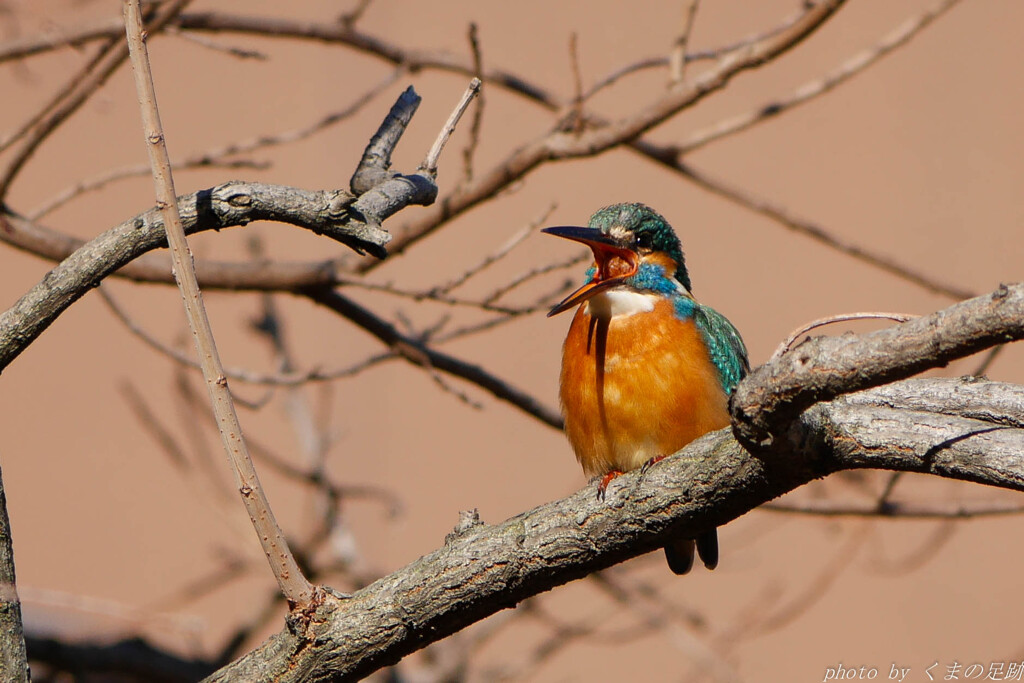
{"points": [[468, 519]]}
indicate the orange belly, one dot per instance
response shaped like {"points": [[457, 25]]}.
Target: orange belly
{"points": [[636, 387]]}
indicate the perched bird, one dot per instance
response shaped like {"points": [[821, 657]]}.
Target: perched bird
{"points": [[645, 368]]}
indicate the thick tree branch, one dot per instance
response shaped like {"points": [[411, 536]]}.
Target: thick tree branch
{"points": [[820, 369], [272, 276], [484, 569], [228, 205]]}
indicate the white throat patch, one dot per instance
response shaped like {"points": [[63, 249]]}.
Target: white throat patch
{"points": [[616, 302]]}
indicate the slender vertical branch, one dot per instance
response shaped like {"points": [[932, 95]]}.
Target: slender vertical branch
{"points": [[429, 164], [293, 584], [469, 152], [677, 59]]}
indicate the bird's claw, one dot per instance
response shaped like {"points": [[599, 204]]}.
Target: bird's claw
{"points": [[647, 465], [602, 488]]}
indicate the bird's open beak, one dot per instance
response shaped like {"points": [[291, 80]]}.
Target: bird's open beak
{"points": [[614, 263]]}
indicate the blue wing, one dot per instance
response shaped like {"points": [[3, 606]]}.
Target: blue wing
{"points": [[725, 345]]}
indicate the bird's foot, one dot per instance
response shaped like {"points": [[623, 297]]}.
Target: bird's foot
{"points": [[605, 480], [647, 465]]}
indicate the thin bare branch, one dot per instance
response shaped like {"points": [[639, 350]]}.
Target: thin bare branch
{"points": [[134, 171], [572, 120], [678, 629], [828, 320], [132, 616], [349, 19], [290, 579], [890, 485], [469, 152], [813, 591], [853, 66], [522, 163], [514, 241], [533, 273], [945, 509], [416, 353], [52, 113], [929, 546], [429, 164], [230, 50], [805, 227], [74, 95], [207, 490], [219, 157], [701, 55], [293, 378], [559, 145], [987, 361], [677, 58]]}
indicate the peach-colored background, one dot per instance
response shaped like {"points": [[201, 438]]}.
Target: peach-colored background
{"points": [[920, 157]]}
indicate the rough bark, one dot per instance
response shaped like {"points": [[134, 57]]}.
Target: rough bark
{"points": [[960, 429], [13, 662], [224, 206], [820, 369]]}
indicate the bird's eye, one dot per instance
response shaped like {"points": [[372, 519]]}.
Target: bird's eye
{"points": [[644, 240]]}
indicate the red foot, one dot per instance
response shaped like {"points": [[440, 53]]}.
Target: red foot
{"points": [[647, 465], [605, 481]]}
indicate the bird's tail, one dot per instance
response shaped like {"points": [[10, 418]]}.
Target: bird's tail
{"points": [[680, 553]]}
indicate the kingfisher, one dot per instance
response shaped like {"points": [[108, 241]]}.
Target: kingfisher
{"points": [[646, 369]]}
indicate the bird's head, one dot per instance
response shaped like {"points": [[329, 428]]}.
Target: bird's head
{"points": [[633, 245]]}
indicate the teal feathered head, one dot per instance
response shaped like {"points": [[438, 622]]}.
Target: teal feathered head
{"points": [[641, 228], [634, 247]]}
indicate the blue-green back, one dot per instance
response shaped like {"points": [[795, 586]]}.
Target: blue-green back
{"points": [[725, 345]]}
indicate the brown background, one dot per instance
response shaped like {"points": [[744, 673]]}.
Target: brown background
{"points": [[919, 157]]}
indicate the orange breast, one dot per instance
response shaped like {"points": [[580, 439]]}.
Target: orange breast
{"points": [[636, 387]]}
